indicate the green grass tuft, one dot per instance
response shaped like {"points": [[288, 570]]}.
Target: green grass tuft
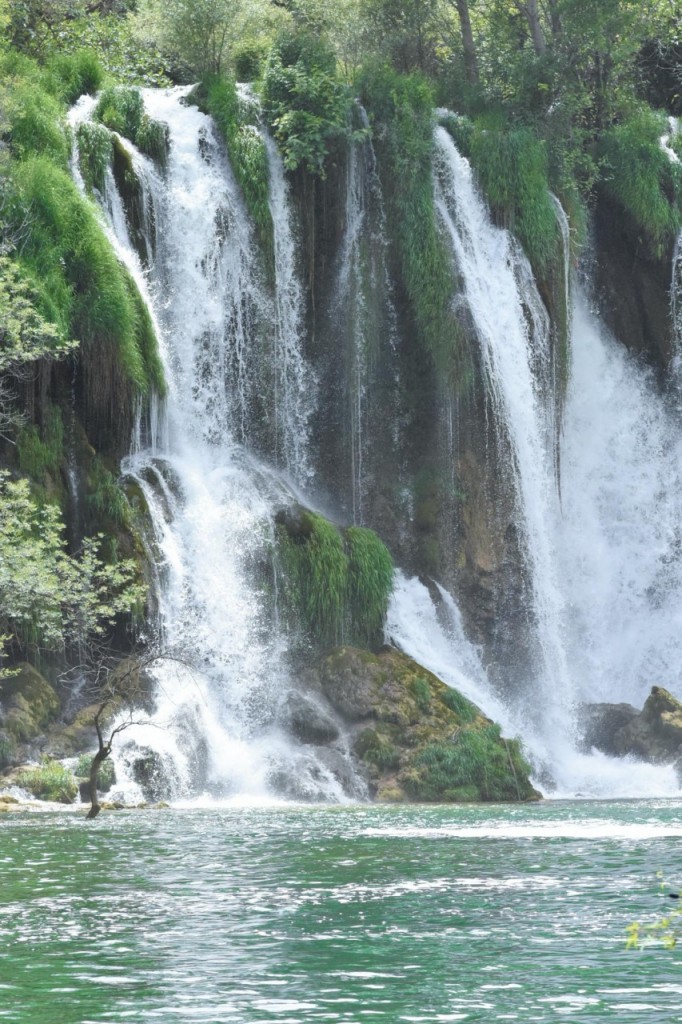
{"points": [[49, 781], [337, 583], [477, 762], [95, 152], [639, 176]]}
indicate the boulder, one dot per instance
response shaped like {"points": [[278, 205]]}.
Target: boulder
{"points": [[27, 705], [653, 734], [414, 737], [307, 720]]}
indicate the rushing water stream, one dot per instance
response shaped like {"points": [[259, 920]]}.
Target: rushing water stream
{"points": [[291, 915], [231, 446]]}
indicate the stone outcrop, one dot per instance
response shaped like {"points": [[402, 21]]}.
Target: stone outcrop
{"points": [[415, 738], [653, 734], [28, 704]]}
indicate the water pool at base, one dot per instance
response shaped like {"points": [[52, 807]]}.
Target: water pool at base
{"points": [[353, 914]]}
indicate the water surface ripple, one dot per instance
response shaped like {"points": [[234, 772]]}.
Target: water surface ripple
{"points": [[350, 914]]}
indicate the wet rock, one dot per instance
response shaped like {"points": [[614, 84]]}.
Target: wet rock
{"points": [[27, 705], [653, 734], [307, 720], [415, 738], [600, 723]]}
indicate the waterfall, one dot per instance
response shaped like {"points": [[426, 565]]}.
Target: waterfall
{"points": [[514, 337], [211, 498]]}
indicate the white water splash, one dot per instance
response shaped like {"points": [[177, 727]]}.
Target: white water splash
{"points": [[498, 287], [211, 501]]}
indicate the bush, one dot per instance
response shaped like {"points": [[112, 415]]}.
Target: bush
{"points": [[106, 777], [337, 583], [49, 781], [95, 153], [307, 107], [463, 708], [511, 164], [120, 109], [641, 179], [76, 74]]}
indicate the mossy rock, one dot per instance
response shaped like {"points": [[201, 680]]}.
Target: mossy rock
{"points": [[27, 705], [416, 737]]}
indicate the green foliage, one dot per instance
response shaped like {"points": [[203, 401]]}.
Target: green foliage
{"points": [[336, 583], [7, 750], [463, 708], [639, 176], [49, 781], [95, 153], [421, 691], [307, 107], [120, 109], [511, 164], [152, 138], [476, 760], [106, 776], [75, 74], [25, 335], [83, 288], [237, 122], [34, 123], [402, 109], [316, 571], [41, 453], [48, 597], [372, 746], [370, 581], [105, 497], [248, 60]]}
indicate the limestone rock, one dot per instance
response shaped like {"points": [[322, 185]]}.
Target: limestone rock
{"points": [[27, 705], [653, 734], [416, 738]]}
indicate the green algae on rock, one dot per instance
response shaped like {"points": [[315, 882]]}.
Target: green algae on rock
{"points": [[416, 738]]}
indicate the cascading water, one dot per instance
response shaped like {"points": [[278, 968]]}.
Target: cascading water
{"points": [[498, 287], [606, 565], [211, 500]]}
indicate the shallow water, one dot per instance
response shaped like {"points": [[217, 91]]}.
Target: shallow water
{"points": [[350, 914]]}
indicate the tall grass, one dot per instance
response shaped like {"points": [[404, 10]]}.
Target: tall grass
{"points": [[248, 157], [337, 583], [639, 176]]}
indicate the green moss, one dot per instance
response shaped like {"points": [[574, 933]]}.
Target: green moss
{"points": [[42, 452], [421, 691], [95, 152], [152, 138], [401, 108], [336, 583], [49, 781], [237, 122], [639, 176], [463, 708], [511, 165], [475, 761], [375, 748], [105, 498], [120, 109], [370, 581]]}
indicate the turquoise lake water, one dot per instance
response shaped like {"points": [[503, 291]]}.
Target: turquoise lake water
{"points": [[353, 914]]}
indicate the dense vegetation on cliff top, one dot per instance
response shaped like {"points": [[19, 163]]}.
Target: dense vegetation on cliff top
{"points": [[570, 95]]}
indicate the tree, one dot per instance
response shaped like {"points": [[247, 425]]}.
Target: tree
{"points": [[48, 598], [468, 46]]}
